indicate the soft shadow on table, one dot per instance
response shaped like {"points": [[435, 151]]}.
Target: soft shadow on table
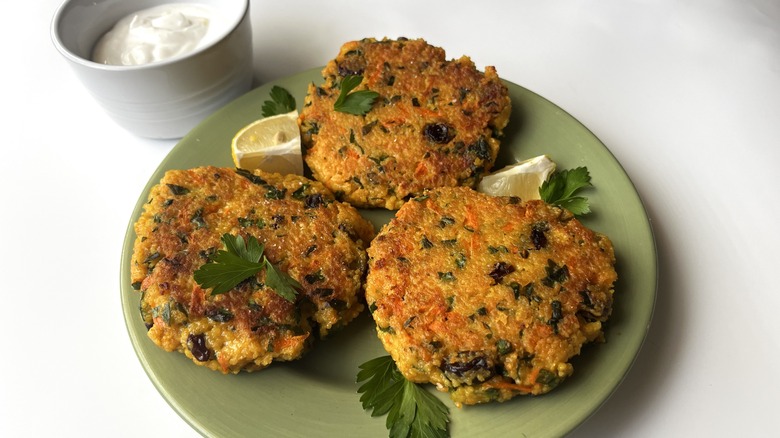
{"points": [[645, 383]]}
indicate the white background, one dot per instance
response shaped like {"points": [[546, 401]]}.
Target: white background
{"points": [[685, 94]]}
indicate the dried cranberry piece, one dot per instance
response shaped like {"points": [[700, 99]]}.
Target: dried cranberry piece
{"points": [[501, 270], [313, 201], [460, 368], [538, 238], [438, 133], [198, 348]]}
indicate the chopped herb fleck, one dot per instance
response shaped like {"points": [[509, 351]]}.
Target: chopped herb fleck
{"points": [[151, 258], [219, 315], [197, 219], [245, 222], [446, 220], [460, 261], [503, 346], [251, 177], [548, 378], [497, 249], [555, 274], [314, 277], [274, 192], [164, 313], [178, 190], [446, 276], [368, 127], [388, 330], [480, 149], [300, 192]]}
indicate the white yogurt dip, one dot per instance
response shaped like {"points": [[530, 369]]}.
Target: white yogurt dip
{"points": [[159, 33]]}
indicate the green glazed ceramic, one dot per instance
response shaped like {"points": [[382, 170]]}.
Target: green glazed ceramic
{"points": [[317, 395]]}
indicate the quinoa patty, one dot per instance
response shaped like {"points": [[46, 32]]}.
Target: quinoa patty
{"points": [[435, 123], [487, 297], [318, 241]]}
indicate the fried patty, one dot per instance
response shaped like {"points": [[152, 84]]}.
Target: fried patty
{"points": [[307, 233], [487, 297], [436, 123]]}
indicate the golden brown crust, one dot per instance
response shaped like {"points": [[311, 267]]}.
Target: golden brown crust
{"points": [[487, 297], [317, 240], [435, 123]]}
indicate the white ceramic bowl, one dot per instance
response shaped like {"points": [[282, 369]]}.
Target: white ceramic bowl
{"points": [[163, 99]]}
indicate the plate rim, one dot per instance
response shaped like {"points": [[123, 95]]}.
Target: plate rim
{"points": [[198, 426]]}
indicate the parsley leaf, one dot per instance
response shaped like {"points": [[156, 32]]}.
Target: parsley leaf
{"points": [[560, 188], [282, 102], [357, 102], [225, 272], [280, 282], [238, 261], [251, 250], [411, 410]]}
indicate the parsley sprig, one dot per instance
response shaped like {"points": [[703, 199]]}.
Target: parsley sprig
{"points": [[282, 102], [560, 188], [411, 410], [240, 260], [354, 102]]}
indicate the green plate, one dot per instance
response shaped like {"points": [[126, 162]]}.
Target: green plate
{"points": [[317, 395]]}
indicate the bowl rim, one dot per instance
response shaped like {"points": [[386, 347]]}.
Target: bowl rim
{"points": [[234, 22]]}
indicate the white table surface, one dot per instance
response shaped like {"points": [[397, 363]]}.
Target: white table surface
{"points": [[685, 94]]}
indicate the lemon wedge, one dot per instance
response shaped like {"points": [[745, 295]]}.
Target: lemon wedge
{"points": [[272, 144], [521, 179]]}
